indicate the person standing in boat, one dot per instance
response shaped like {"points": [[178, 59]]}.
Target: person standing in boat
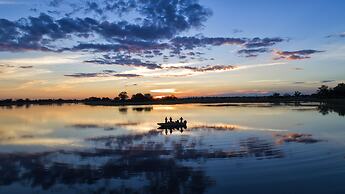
{"points": [[166, 119], [170, 120], [181, 119]]}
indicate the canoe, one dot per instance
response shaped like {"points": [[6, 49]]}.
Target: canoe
{"points": [[172, 125]]}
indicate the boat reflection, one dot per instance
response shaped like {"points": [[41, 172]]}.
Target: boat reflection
{"points": [[170, 130]]}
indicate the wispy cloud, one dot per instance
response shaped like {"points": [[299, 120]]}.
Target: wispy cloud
{"points": [[170, 90], [295, 55], [340, 35], [105, 73], [11, 2], [42, 60]]}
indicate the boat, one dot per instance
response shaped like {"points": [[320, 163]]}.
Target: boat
{"points": [[172, 125]]}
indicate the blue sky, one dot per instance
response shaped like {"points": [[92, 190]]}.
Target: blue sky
{"points": [[184, 48]]}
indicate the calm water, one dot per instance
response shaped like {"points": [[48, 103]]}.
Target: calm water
{"points": [[237, 148]]}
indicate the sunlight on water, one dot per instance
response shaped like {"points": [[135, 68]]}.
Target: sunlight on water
{"points": [[226, 147]]}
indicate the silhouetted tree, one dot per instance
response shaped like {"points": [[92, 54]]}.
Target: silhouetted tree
{"points": [[139, 97], [171, 97], [148, 96], [323, 91], [287, 95], [93, 99], [123, 96], [276, 95], [339, 90], [297, 94]]}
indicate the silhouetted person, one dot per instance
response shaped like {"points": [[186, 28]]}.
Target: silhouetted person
{"points": [[181, 119], [166, 119], [177, 121], [170, 119]]}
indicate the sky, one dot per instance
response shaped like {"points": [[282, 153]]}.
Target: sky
{"points": [[83, 48]]}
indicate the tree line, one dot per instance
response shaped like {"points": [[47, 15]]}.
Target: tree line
{"points": [[323, 92]]}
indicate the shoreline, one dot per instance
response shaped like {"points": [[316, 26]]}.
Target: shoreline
{"points": [[199, 100]]}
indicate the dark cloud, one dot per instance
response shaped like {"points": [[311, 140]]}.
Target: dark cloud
{"points": [[298, 82], [26, 66], [192, 42], [253, 52], [93, 6], [262, 42], [163, 20], [123, 60], [327, 81], [122, 45], [252, 46], [159, 19], [105, 73], [341, 35], [32, 33], [207, 68], [172, 15], [237, 31], [296, 55], [55, 3], [155, 33]]}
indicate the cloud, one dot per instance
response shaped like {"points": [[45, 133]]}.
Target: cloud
{"points": [[235, 31], [105, 73], [262, 42], [131, 46], [252, 52], [55, 3], [121, 40], [341, 35], [299, 82], [26, 66], [163, 91], [253, 46], [314, 82], [192, 42], [163, 20], [295, 55], [243, 93], [170, 15], [124, 61], [207, 68], [10, 2], [327, 81]]}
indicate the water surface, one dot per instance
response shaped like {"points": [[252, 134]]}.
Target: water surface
{"points": [[227, 148]]}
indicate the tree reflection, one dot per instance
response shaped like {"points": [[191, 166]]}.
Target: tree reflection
{"points": [[326, 108]]}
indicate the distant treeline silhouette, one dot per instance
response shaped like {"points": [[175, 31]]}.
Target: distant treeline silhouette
{"points": [[327, 92], [323, 93]]}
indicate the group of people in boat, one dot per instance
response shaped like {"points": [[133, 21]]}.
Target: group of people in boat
{"points": [[170, 120]]}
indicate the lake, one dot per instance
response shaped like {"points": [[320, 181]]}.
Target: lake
{"points": [[226, 148]]}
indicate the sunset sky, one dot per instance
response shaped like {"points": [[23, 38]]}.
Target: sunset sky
{"points": [[83, 48]]}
